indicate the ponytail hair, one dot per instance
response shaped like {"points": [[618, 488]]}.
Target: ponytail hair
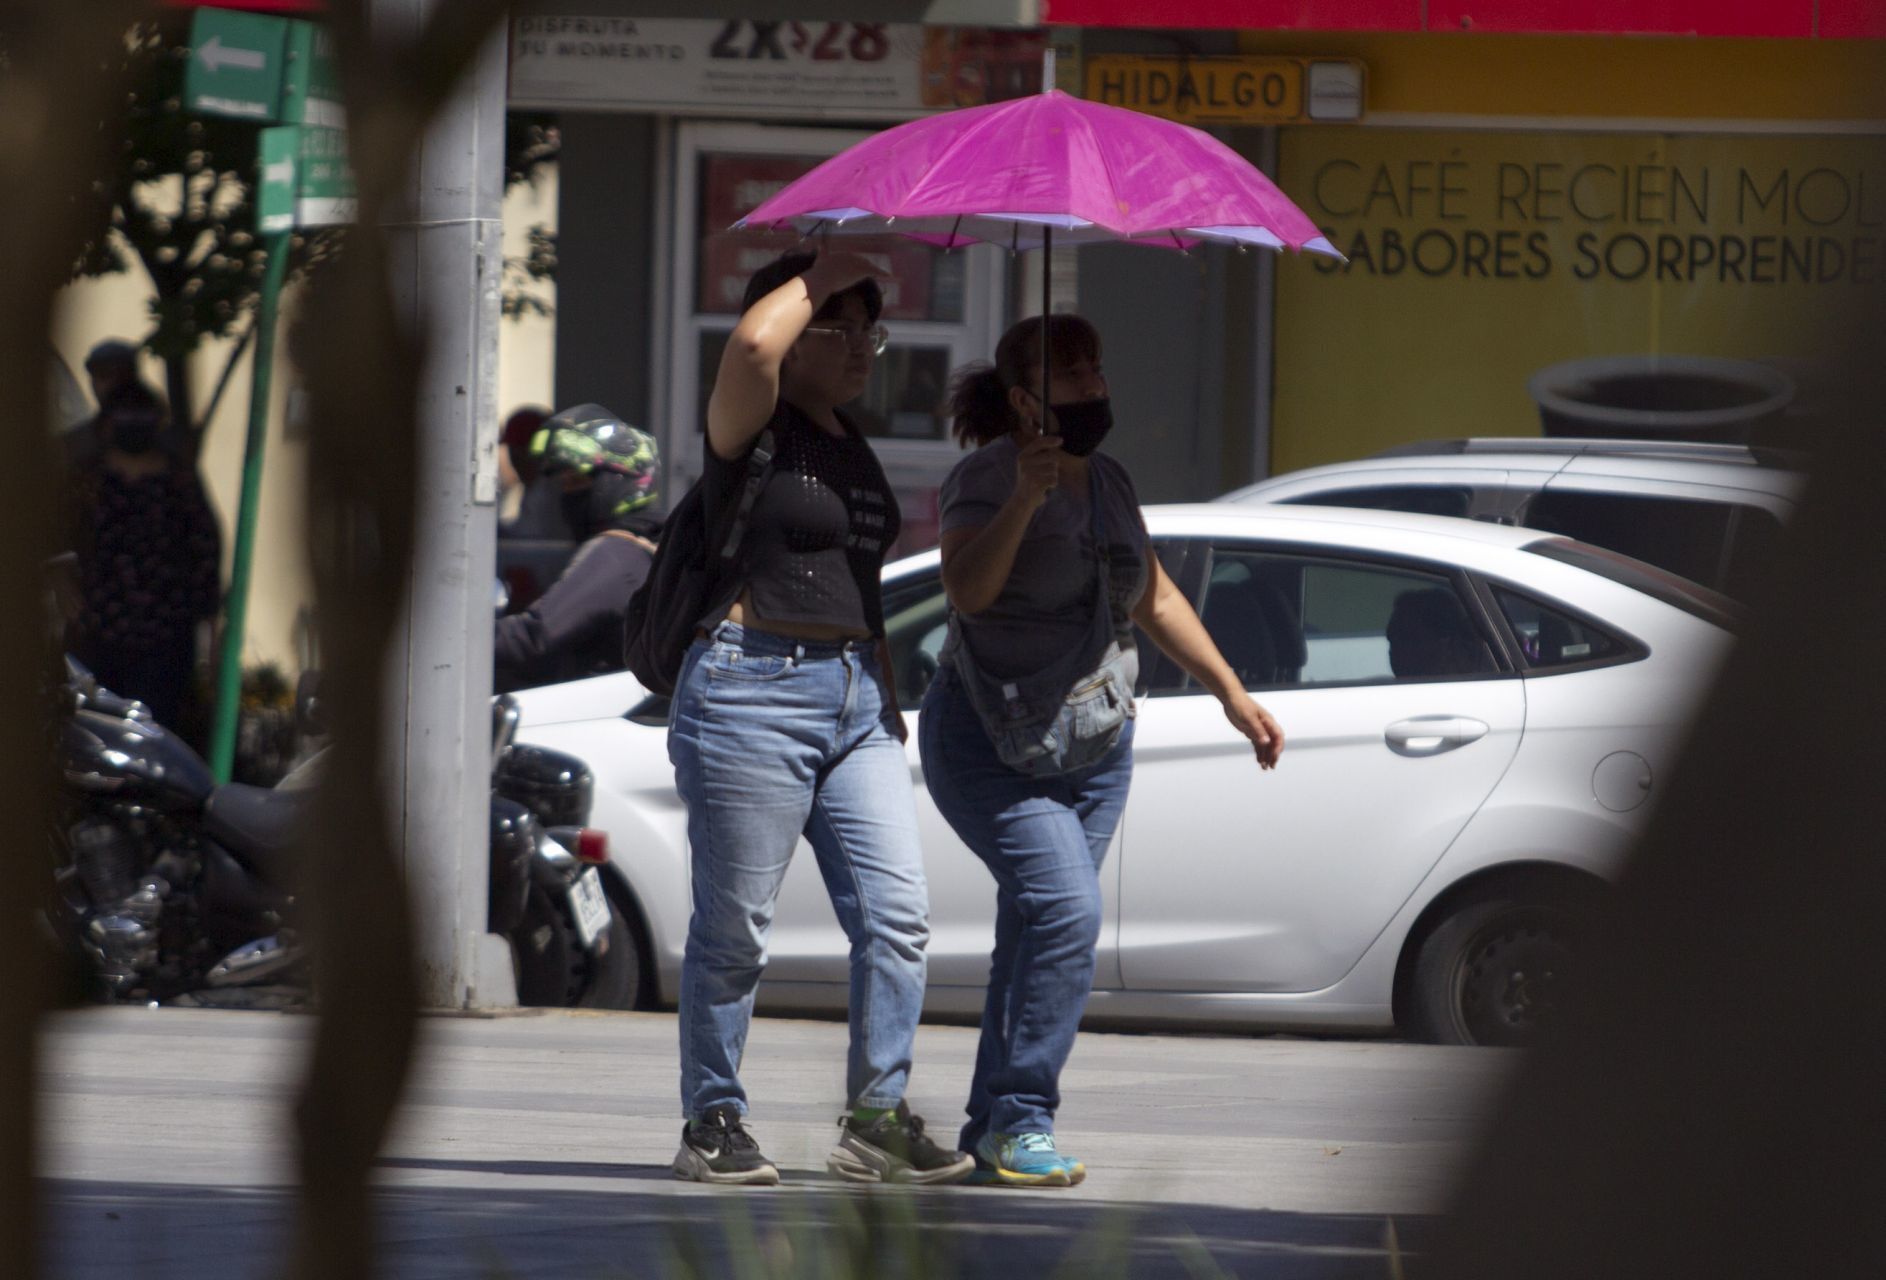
{"points": [[978, 400], [979, 406]]}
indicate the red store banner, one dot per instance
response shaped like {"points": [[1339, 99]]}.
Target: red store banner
{"points": [[1825, 19]]}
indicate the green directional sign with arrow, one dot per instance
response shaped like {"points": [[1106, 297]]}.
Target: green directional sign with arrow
{"points": [[250, 66], [236, 62], [305, 181]]}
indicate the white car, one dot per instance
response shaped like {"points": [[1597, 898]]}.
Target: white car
{"points": [[1421, 857], [1711, 512]]}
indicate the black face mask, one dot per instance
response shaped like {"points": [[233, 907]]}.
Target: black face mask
{"points": [[134, 432], [1084, 424]]}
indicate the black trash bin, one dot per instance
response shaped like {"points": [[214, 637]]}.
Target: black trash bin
{"points": [[1645, 397]]}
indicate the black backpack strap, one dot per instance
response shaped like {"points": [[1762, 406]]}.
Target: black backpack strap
{"points": [[759, 462]]}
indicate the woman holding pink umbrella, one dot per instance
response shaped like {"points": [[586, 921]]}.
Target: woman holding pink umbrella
{"points": [[1027, 731]]}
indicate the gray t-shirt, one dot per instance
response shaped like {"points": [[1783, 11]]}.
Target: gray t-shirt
{"points": [[1047, 604]]}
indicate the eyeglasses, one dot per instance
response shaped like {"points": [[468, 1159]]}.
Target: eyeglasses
{"points": [[874, 339]]}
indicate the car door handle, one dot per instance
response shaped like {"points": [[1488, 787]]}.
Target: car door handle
{"points": [[1431, 735]]}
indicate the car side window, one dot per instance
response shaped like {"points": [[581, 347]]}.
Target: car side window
{"points": [[1551, 639], [1421, 499], [1683, 536], [1754, 538], [1285, 621], [916, 621]]}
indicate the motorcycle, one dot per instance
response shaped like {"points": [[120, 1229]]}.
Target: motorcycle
{"points": [[177, 890]]}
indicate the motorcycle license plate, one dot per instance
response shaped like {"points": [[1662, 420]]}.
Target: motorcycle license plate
{"points": [[590, 907]]}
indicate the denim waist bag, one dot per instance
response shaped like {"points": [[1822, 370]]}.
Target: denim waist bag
{"points": [[1069, 714]]}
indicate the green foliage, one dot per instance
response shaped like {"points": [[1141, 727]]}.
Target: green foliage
{"points": [[537, 265], [532, 143], [181, 200]]}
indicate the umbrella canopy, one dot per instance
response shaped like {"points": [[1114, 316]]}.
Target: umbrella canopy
{"points": [[1048, 169]]}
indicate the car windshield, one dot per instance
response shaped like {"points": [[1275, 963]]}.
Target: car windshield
{"points": [[1693, 598]]}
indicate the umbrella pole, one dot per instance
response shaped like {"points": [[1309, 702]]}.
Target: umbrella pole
{"points": [[1047, 295]]}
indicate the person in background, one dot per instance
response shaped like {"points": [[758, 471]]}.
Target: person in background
{"points": [[148, 553], [109, 365], [606, 477], [1022, 547], [530, 506]]}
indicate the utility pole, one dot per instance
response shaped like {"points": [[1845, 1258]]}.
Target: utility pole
{"points": [[447, 259]]}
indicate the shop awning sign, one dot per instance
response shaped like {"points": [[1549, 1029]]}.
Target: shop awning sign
{"points": [[1230, 90], [764, 69]]}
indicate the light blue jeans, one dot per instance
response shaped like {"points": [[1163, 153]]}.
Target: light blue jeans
{"points": [[1043, 839], [772, 738]]}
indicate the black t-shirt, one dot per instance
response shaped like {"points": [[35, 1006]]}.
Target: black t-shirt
{"points": [[816, 541]]}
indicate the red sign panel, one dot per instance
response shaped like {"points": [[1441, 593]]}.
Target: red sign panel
{"points": [[1257, 15], [1829, 19], [732, 184], [1744, 18], [253, 6]]}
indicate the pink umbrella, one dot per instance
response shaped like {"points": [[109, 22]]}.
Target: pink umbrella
{"points": [[1018, 172]]}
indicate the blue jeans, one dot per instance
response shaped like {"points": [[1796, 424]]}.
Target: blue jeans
{"points": [[1043, 839], [772, 738]]}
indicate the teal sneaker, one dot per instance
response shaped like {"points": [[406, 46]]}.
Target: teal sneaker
{"points": [[1024, 1160]]}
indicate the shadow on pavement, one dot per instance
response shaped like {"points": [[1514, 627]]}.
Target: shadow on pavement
{"points": [[159, 1232]]}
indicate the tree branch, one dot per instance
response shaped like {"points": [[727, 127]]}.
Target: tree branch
{"points": [[52, 98], [361, 370]]}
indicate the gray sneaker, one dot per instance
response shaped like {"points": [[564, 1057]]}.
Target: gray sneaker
{"points": [[718, 1148], [893, 1148]]}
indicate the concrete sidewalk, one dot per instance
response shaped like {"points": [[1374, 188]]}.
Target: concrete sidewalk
{"points": [[539, 1144]]}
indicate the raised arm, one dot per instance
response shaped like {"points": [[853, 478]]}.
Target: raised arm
{"points": [[746, 388], [977, 560]]}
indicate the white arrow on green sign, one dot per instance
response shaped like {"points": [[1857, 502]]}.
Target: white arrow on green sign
{"points": [[305, 179], [251, 66]]}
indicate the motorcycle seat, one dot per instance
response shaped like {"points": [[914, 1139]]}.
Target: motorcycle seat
{"points": [[259, 825]]}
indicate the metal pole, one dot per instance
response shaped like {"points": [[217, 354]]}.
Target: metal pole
{"points": [[1047, 259], [447, 268], [1264, 337], [1047, 305], [236, 607]]}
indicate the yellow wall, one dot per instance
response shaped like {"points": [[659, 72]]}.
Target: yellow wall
{"points": [[1477, 257], [1621, 77], [1510, 202]]}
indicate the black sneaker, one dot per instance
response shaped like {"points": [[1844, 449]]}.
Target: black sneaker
{"points": [[893, 1148], [718, 1148]]}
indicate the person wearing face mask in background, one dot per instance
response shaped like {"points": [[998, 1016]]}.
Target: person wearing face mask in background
{"points": [[608, 472], [148, 552], [1022, 548]]}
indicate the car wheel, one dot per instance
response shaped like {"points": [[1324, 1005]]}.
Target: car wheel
{"points": [[552, 968], [633, 988], [555, 970], [1496, 969], [615, 976]]}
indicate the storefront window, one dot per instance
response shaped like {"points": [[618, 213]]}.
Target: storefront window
{"points": [[924, 283]]}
